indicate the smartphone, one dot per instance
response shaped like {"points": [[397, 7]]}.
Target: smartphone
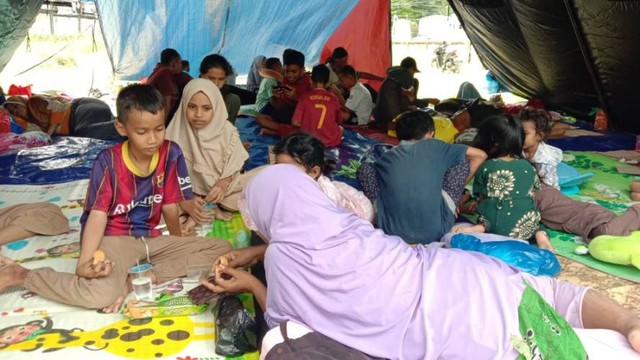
{"points": [[280, 87]]}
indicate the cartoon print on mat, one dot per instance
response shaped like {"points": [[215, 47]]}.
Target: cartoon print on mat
{"points": [[35, 329], [130, 338], [71, 250]]}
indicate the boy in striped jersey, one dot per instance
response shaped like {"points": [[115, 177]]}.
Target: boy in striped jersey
{"points": [[132, 185]]}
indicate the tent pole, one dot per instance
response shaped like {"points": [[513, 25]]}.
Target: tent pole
{"points": [[390, 36]]}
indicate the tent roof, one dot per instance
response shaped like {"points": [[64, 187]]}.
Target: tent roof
{"points": [[572, 54], [136, 31]]}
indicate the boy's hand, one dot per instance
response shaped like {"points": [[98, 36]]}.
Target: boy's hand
{"points": [[195, 209], [290, 93], [88, 270]]}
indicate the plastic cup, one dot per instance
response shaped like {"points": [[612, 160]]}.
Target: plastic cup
{"points": [[209, 209], [141, 281], [197, 272]]}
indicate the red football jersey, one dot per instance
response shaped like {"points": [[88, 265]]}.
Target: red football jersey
{"points": [[318, 114]]}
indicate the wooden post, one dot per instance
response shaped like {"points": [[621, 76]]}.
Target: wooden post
{"points": [[79, 16], [51, 20]]}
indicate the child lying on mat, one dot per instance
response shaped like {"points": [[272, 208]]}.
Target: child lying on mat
{"points": [[505, 183], [132, 185], [213, 151], [557, 211], [26, 220], [83, 117]]}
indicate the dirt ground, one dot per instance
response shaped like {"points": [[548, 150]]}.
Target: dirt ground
{"points": [[75, 65]]}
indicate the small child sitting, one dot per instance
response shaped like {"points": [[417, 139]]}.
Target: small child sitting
{"points": [[359, 103], [265, 92], [213, 152], [557, 211], [505, 183], [536, 124]]}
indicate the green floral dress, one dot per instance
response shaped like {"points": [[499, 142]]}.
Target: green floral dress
{"points": [[507, 207]]}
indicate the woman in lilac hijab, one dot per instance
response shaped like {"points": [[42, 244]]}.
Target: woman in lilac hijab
{"points": [[334, 273]]}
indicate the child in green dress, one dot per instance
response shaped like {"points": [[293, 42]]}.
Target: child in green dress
{"points": [[504, 184]]}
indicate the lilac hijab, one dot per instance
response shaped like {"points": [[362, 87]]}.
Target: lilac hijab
{"points": [[333, 272]]}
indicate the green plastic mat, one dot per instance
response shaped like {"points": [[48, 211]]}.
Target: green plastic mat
{"points": [[233, 231], [607, 188]]}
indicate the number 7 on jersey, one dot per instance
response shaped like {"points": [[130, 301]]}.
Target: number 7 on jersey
{"points": [[322, 107]]}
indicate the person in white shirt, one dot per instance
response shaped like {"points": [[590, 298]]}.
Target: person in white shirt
{"points": [[359, 101]]}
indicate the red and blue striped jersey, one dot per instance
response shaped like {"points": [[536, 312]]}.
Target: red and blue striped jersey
{"points": [[133, 200]]}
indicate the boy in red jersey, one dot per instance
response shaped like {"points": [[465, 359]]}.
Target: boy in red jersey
{"points": [[132, 185], [319, 112], [277, 114]]}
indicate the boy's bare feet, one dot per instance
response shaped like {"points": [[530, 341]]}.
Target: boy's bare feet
{"points": [[11, 274], [115, 307], [188, 226]]}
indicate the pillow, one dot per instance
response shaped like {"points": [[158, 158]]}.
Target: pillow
{"points": [[621, 250]]}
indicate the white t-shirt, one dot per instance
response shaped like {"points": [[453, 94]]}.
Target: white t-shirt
{"points": [[360, 102]]}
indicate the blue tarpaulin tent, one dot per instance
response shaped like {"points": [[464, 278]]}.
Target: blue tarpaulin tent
{"points": [[135, 32]]}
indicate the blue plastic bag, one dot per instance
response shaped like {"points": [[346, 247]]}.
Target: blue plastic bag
{"points": [[525, 257]]}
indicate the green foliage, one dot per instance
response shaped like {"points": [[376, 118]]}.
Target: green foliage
{"points": [[416, 9], [349, 170]]}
